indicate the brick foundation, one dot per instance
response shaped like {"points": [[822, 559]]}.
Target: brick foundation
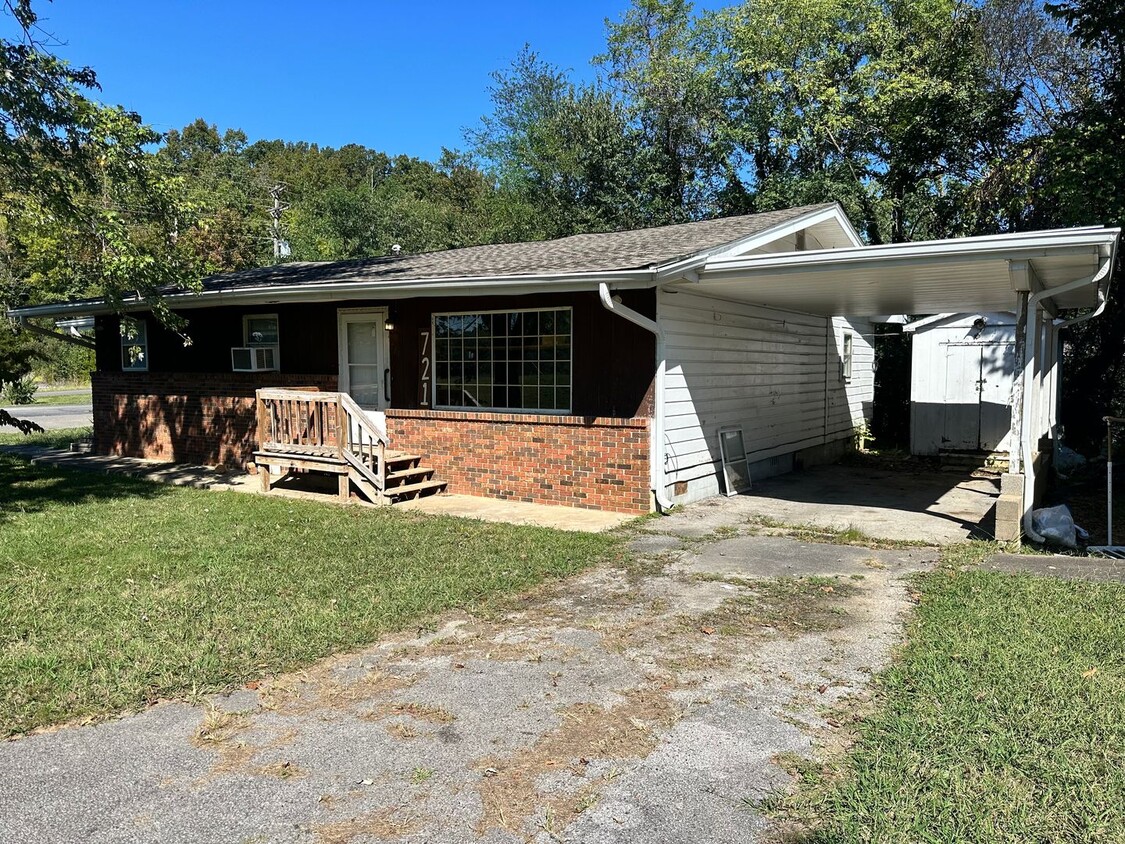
{"points": [[571, 460], [185, 417]]}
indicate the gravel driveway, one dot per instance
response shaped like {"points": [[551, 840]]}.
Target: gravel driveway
{"points": [[643, 705]]}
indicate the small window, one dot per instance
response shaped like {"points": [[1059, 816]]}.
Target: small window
{"points": [[134, 345], [846, 360], [260, 345], [504, 360], [259, 330]]}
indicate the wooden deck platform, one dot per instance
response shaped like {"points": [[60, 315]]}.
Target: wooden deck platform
{"points": [[328, 433]]}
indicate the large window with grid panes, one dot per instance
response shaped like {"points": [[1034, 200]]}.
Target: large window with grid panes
{"points": [[504, 360]]}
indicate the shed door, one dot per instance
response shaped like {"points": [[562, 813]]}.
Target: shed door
{"points": [[978, 386], [998, 364], [961, 430]]}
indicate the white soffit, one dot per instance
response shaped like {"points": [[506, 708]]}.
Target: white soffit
{"points": [[964, 274]]}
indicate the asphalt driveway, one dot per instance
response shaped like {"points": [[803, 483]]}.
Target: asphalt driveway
{"points": [[653, 704]]}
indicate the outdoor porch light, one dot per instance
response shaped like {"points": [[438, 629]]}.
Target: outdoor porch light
{"points": [[389, 322]]}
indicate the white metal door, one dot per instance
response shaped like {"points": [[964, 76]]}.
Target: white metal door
{"points": [[365, 372], [998, 362], [962, 397]]}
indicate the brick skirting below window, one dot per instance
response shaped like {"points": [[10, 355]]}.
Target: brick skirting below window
{"points": [[185, 417], [571, 460]]}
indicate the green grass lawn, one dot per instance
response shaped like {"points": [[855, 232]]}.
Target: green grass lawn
{"points": [[115, 592], [1003, 721], [42, 399], [60, 438]]}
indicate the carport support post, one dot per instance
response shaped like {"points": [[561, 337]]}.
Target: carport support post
{"points": [[1009, 507]]}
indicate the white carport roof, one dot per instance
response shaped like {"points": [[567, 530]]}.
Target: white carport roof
{"points": [[965, 274]]}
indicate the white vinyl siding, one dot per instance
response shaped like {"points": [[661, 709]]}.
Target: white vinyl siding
{"points": [[775, 373]]}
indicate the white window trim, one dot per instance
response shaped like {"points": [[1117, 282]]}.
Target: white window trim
{"points": [[528, 410], [847, 357], [144, 346], [248, 343]]}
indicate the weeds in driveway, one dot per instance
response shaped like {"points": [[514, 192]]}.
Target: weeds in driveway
{"points": [[115, 592], [850, 535], [1003, 720], [792, 605]]}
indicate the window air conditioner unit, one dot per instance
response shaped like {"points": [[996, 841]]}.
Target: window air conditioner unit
{"points": [[253, 358]]}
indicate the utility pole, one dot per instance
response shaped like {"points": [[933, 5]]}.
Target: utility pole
{"points": [[280, 246]]}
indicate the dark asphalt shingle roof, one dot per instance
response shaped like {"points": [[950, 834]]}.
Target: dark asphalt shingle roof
{"points": [[627, 250]]}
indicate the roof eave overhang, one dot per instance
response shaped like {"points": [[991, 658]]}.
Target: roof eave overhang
{"points": [[350, 290], [909, 277], [1008, 247]]}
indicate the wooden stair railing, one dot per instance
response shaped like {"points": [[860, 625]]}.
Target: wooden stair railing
{"points": [[363, 446], [310, 429], [330, 433]]}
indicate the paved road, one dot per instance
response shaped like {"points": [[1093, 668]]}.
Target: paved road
{"points": [[54, 417]]}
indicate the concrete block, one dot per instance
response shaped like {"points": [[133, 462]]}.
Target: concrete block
{"points": [[1009, 517], [1011, 483]]}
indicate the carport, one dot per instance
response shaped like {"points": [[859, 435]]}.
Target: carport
{"points": [[1050, 279]]}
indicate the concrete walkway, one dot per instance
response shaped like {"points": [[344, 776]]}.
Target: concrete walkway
{"points": [[518, 512], [1098, 569], [651, 704]]}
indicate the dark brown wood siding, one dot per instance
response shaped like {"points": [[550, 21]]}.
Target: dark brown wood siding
{"points": [[614, 360]]}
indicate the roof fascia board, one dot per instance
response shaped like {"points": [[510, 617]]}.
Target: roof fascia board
{"points": [[685, 267], [342, 291], [1011, 247]]}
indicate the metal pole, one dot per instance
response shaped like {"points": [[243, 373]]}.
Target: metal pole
{"points": [[1109, 481], [1110, 422]]}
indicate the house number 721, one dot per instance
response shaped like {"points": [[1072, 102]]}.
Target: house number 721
{"points": [[424, 370]]}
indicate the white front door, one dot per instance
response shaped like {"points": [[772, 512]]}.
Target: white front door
{"points": [[365, 360]]}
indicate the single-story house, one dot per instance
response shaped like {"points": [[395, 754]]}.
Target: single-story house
{"points": [[599, 370], [962, 371]]}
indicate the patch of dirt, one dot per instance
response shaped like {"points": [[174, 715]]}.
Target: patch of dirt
{"points": [[419, 711], [323, 688], [792, 606], [389, 822], [224, 733], [281, 770], [509, 788]]}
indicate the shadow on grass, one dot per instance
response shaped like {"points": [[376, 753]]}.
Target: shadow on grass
{"points": [[27, 488]]}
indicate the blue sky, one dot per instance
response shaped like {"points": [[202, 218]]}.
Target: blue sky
{"points": [[400, 77]]}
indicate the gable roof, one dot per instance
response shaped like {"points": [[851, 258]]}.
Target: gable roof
{"points": [[637, 258], [636, 249]]}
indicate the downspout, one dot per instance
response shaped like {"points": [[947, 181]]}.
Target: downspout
{"points": [[656, 435], [1029, 365]]}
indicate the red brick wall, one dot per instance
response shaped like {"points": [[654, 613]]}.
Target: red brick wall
{"points": [[185, 417], [573, 460]]}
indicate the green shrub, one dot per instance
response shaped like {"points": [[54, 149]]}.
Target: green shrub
{"points": [[20, 391]]}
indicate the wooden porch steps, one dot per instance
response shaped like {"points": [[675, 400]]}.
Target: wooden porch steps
{"points": [[328, 433], [405, 483]]}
